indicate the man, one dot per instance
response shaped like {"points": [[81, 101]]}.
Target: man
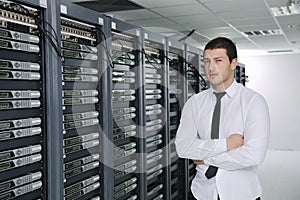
{"points": [[225, 130]]}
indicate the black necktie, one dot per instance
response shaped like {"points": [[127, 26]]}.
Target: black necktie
{"points": [[212, 170]]}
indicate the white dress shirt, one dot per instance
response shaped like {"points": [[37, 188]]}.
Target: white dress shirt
{"points": [[243, 111]]}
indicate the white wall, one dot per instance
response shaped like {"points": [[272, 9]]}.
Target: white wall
{"points": [[277, 78]]}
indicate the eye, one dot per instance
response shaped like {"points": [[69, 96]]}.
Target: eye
{"points": [[206, 62]]}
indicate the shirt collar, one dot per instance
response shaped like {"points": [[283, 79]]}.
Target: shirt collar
{"points": [[231, 90]]}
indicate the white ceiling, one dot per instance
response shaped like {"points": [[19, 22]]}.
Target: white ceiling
{"points": [[213, 18]]}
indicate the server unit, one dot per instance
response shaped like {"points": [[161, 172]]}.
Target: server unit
{"points": [[156, 140], [22, 102], [81, 37]]}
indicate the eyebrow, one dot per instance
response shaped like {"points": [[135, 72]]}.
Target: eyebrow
{"points": [[214, 58]]}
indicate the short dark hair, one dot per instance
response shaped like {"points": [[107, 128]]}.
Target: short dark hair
{"points": [[223, 43]]}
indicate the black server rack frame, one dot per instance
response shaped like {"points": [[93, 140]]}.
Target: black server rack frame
{"points": [[156, 123], [127, 110]]}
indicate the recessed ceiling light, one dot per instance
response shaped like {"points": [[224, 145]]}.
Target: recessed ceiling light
{"points": [[263, 32], [281, 51]]}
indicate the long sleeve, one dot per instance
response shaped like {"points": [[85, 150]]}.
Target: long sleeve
{"points": [[256, 138], [188, 144]]}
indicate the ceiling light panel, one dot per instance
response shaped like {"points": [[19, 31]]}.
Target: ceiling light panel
{"points": [[263, 33], [257, 27], [281, 51]]}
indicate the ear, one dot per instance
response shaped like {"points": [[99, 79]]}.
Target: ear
{"points": [[233, 64]]}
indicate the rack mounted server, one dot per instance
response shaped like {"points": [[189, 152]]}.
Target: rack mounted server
{"points": [[22, 107]]}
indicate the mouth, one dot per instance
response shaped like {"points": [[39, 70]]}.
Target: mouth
{"points": [[213, 75]]}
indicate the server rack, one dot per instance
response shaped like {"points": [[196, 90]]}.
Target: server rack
{"points": [[156, 140], [240, 74], [23, 163], [81, 32], [127, 111], [176, 99]]}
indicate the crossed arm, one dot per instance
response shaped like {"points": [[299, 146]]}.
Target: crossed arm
{"points": [[238, 151], [232, 142]]}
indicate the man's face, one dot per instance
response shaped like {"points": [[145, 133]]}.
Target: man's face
{"points": [[219, 70]]}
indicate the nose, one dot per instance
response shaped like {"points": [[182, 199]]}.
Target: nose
{"points": [[210, 66]]}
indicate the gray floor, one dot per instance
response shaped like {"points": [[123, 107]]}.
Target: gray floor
{"points": [[280, 175]]}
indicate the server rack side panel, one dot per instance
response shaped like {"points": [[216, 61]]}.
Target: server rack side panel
{"points": [[126, 113], [23, 152], [54, 116], [107, 126], [81, 33], [157, 140]]}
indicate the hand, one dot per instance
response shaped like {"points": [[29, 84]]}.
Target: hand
{"points": [[234, 141], [198, 162]]}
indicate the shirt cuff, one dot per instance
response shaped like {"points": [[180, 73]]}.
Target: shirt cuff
{"points": [[221, 147]]}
